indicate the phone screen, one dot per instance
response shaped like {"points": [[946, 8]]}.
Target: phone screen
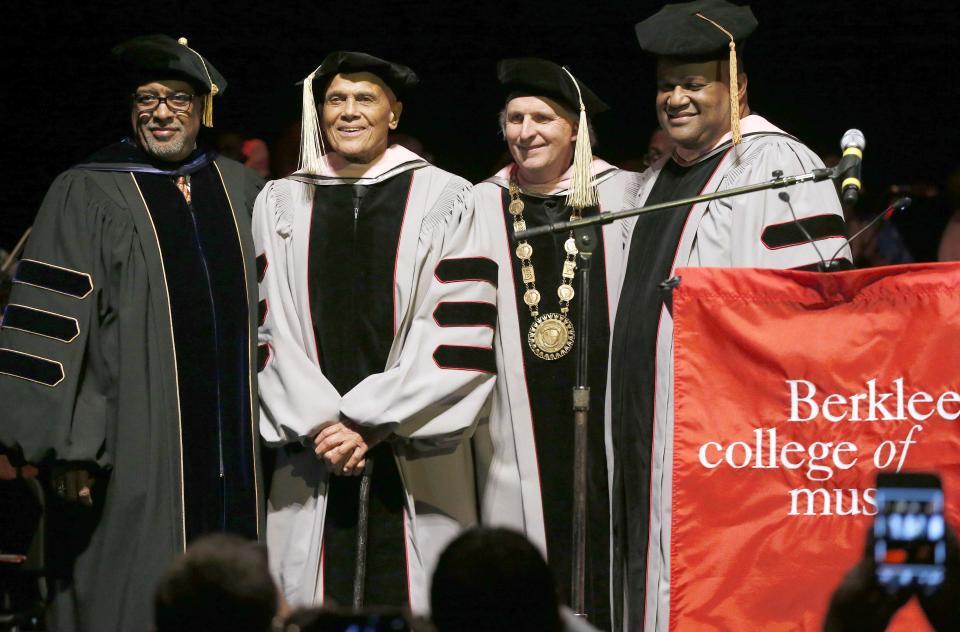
{"points": [[909, 529]]}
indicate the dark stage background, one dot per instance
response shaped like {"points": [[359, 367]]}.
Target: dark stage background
{"points": [[815, 69]]}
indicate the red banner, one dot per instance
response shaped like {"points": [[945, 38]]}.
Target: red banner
{"points": [[792, 389]]}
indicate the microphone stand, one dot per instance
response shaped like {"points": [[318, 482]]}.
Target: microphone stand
{"points": [[586, 239], [817, 175], [584, 232]]}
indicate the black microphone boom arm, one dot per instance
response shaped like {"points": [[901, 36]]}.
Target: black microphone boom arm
{"points": [[817, 175]]}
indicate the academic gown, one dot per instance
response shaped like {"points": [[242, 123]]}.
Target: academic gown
{"points": [[378, 306], [525, 452], [754, 230], [127, 346]]}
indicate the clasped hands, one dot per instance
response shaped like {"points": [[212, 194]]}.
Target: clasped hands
{"points": [[343, 445]]}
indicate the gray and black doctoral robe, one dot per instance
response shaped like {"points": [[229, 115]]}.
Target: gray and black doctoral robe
{"points": [[128, 347], [378, 302], [524, 452], [757, 230]]}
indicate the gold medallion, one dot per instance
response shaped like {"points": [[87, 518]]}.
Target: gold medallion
{"points": [[551, 336]]}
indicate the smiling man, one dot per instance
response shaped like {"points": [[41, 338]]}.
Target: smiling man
{"points": [[525, 452], [376, 333], [720, 143], [126, 354]]}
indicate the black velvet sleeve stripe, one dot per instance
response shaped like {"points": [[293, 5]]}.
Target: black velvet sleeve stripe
{"points": [[261, 266], [41, 323], [467, 269], [835, 266], [262, 309], [30, 367], [465, 358], [789, 233], [263, 356], [466, 314], [54, 278]]}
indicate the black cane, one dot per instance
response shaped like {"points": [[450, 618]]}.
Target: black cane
{"points": [[363, 520]]}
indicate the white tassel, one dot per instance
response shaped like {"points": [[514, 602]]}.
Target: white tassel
{"points": [[312, 158], [582, 192]]}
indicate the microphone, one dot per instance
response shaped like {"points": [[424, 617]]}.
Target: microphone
{"points": [[824, 266], [899, 205], [852, 145]]}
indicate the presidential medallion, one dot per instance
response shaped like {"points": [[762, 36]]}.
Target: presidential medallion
{"points": [[551, 336]]}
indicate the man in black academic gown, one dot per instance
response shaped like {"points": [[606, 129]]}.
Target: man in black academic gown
{"points": [[125, 353], [719, 143], [525, 454]]}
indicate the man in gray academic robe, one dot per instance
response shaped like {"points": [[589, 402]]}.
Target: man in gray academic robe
{"points": [[720, 144], [127, 350], [378, 305]]}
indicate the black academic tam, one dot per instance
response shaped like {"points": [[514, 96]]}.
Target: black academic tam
{"points": [[400, 78], [677, 30]]}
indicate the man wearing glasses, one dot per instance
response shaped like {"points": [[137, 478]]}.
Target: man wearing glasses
{"points": [[127, 353]]}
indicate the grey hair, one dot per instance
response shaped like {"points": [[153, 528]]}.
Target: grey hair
{"points": [[502, 120]]}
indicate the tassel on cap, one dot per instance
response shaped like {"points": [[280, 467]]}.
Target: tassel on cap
{"points": [[582, 192], [311, 141], [207, 119], [734, 83]]}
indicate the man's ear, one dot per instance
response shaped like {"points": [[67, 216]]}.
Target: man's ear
{"points": [[742, 85], [396, 108]]}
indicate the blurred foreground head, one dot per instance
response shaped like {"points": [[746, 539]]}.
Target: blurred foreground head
{"points": [[221, 583], [493, 579]]}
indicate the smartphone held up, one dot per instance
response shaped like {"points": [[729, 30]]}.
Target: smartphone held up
{"points": [[909, 531]]}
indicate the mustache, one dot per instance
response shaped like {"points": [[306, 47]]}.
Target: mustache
{"points": [[144, 119]]}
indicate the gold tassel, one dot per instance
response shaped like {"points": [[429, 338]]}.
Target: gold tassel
{"points": [[312, 151], [582, 193], [734, 96], [207, 118], [208, 105], [733, 83]]}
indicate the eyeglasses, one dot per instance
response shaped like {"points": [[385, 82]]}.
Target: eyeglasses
{"points": [[176, 102]]}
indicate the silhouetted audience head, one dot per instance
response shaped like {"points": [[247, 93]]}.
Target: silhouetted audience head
{"points": [[221, 582], [493, 579], [257, 156]]}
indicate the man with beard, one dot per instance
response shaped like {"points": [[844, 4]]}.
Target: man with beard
{"points": [[720, 144], [376, 325], [525, 453], [126, 350]]}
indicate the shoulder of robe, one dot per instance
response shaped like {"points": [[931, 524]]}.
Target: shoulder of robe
{"points": [[281, 199], [770, 152], [446, 199], [249, 177], [452, 180], [631, 182], [88, 193]]}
